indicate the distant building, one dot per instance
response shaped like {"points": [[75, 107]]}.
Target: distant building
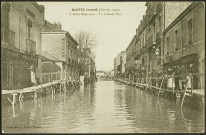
{"points": [[117, 66], [21, 42], [120, 65], [112, 72], [100, 73], [130, 62], [123, 63]]}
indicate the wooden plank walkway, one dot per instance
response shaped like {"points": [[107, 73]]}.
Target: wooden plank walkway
{"points": [[33, 90], [29, 89], [195, 92]]}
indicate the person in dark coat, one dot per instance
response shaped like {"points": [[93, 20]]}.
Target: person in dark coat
{"points": [[176, 74]]}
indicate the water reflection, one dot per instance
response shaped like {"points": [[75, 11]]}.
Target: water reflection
{"points": [[102, 107]]}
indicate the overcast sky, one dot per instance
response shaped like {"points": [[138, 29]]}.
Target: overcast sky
{"points": [[113, 33]]}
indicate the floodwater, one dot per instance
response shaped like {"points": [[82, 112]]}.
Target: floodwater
{"points": [[102, 107]]}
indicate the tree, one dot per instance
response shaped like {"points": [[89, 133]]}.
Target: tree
{"points": [[86, 40], [87, 43]]}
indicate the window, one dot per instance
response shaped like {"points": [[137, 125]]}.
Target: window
{"points": [[153, 31], [5, 22], [159, 20], [142, 61], [168, 45], [29, 24], [190, 34], [143, 40], [176, 40], [30, 13], [140, 43]]}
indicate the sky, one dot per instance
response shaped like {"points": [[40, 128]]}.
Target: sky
{"points": [[113, 32]]}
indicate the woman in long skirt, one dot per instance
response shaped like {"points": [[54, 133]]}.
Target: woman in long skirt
{"points": [[33, 77]]}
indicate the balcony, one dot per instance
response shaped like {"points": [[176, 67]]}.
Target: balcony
{"points": [[158, 37], [8, 37], [30, 46], [137, 54], [167, 59], [150, 41], [158, 6], [151, 12], [69, 61]]}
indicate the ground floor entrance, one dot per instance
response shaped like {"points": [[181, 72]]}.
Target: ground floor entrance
{"points": [[14, 69]]}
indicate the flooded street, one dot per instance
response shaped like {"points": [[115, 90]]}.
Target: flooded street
{"points": [[102, 107]]}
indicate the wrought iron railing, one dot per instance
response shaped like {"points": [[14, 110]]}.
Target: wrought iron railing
{"points": [[158, 36], [9, 37], [149, 41], [151, 12], [55, 76], [159, 6]]}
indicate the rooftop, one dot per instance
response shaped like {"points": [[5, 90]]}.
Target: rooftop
{"points": [[49, 27]]}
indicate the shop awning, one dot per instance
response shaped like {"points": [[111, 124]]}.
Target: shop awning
{"points": [[191, 58]]}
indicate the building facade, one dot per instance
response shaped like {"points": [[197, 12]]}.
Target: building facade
{"points": [[62, 45], [123, 63], [21, 40], [130, 62], [149, 34], [117, 66], [120, 65], [184, 43]]}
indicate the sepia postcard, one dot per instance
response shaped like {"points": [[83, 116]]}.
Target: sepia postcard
{"points": [[103, 67]]}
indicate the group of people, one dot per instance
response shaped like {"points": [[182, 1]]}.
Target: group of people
{"points": [[35, 81], [177, 77], [180, 79]]}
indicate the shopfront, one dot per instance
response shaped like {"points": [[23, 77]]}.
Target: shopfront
{"points": [[183, 66]]}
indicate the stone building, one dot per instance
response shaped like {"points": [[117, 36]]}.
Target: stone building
{"points": [[62, 45], [120, 65], [184, 43], [21, 42], [117, 66], [159, 15], [123, 64], [130, 62], [141, 54]]}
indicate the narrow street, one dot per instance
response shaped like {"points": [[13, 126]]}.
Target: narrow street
{"points": [[101, 107], [103, 67]]}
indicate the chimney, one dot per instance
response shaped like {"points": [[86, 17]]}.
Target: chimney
{"points": [[59, 26]]}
